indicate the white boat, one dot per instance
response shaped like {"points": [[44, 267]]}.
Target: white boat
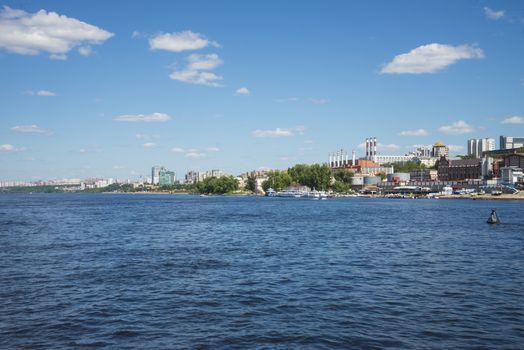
{"points": [[294, 192]]}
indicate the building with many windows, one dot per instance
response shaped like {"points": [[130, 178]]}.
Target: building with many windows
{"points": [[166, 177], [509, 142], [458, 170], [477, 146]]}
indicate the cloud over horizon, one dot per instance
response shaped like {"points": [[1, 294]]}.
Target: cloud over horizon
{"points": [[513, 120], [457, 128], [430, 58]]}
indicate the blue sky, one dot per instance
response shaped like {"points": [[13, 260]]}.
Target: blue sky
{"points": [[111, 88]]}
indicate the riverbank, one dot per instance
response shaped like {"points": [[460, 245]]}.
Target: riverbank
{"points": [[486, 197]]}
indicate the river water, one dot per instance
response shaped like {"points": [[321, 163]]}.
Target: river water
{"points": [[174, 271]]}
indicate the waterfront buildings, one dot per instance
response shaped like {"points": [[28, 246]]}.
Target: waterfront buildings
{"points": [[193, 176], [155, 174], [166, 177], [477, 146], [458, 169], [508, 142]]}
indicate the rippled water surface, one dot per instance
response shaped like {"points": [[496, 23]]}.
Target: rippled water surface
{"points": [[170, 272]]}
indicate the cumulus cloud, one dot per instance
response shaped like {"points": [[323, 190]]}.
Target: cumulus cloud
{"points": [[212, 149], [430, 58], [279, 132], [149, 145], [243, 91], [30, 129], [197, 78], [492, 14], [203, 62], [154, 117], [29, 34], [180, 41], [513, 120], [457, 128], [418, 132], [196, 71]]}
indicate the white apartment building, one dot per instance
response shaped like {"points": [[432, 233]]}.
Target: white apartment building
{"points": [[477, 146]]}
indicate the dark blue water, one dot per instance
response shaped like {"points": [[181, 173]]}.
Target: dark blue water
{"points": [[169, 272]]}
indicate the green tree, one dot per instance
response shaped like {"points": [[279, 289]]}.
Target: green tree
{"points": [[251, 183], [214, 185]]}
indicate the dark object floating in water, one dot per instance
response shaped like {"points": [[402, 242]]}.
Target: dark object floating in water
{"points": [[493, 218]]}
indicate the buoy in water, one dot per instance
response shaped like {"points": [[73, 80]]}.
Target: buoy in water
{"points": [[493, 218]]}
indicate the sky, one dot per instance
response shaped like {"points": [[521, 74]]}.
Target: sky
{"points": [[112, 88]]}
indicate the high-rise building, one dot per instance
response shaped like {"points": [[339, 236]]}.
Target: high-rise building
{"points": [[155, 174], [166, 177], [509, 142], [477, 146]]}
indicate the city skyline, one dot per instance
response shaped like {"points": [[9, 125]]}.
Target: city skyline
{"points": [[283, 83]]}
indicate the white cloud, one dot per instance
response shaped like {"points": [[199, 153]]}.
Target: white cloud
{"points": [[154, 117], [319, 101], [29, 34], [149, 145], [196, 71], [287, 99], [42, 93], [58, 57], [279, 132], [283, 159], [7, 148], [309, 142], [457, 128], [513, 120], [243, 91], [82, 150], [213, 149], [30, 129], [180, 41], [430, 58], [492, 14], [177, 150], [10, 148], [418, 132], [203, 62], [197, 77], [85, 51], [195, 155], [45, 93]]}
